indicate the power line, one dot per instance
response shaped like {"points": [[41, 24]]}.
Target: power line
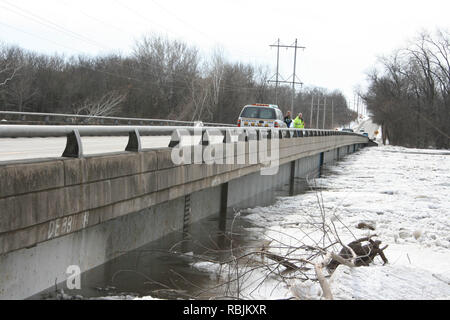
{"points": [[294, 77], [137, 13], [36, 36], [183, 21], [224, 87], [49, 24], [205, 35], [110, 25]]}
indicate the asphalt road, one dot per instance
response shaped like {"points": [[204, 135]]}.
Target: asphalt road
{"points": [[34, 148], [368, 127]]}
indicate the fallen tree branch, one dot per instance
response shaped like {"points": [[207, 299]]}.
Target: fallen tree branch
{"points": [[341, 260], [323, 282], [365, 254], [284, 262]]}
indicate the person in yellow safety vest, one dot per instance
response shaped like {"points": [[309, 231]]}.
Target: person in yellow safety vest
{"points": [[298, 122]]}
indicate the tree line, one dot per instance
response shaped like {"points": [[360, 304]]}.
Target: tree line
{"points": [[160, 79], [409, 95]]}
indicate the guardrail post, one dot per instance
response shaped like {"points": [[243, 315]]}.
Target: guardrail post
{"points": [[134, 141], [205, 141], [74, 148], [242, 136], [288, 134], [227, 136], [280, 134], [175, 139], [251, 134]]}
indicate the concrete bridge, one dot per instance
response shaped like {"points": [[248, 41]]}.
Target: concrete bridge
{"points": [[86, 210]]}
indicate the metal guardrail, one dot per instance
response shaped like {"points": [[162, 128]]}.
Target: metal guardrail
{"points": [[48, 118], [134, 133]]}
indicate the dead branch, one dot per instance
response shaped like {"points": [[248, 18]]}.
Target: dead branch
{"points": [[10, 77], [323, 282], [107, 105], [283, 261], [365, 253], [341, 260]]}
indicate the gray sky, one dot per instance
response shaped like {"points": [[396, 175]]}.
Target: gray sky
{"points": [[342, 38]]}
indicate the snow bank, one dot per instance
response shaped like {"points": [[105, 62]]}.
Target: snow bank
{"points": [[388, 283], [404, 194]]}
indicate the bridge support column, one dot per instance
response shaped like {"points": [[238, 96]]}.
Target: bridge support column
{"points": [[223, 206], [292, 179], [187, 214]]}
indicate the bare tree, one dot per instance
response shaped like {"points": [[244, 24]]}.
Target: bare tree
{"points": [[410, 96], [216, 77], [7, 73], [199, 95], [106, 105]]}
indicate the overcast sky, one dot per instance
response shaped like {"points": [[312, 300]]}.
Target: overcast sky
{"points": [[342, 38]]}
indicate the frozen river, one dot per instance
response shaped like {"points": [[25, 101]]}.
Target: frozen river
{"points": [[402, 194]]}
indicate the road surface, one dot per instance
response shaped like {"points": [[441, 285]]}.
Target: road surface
{"points": [[34, 148], [368, 127]]}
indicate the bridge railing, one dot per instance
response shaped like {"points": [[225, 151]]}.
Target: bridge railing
{"points": [[74, 133], [39, 118]]}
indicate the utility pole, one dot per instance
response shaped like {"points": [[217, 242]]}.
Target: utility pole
{"points": [[276, 76], [357, 106], [318, 111], [332, 114], [293, 82], [324, 111], [293, 78], [312, 105]]}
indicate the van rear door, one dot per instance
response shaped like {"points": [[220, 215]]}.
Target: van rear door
{"points": [[255, 116]]}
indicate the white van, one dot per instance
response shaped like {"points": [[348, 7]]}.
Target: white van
{"points": [[261, 115]]}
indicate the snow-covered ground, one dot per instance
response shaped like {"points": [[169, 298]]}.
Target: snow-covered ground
{"points": [[403, 193]]}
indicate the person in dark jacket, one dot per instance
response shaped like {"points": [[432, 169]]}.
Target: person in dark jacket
{"points": [[288, 119]]}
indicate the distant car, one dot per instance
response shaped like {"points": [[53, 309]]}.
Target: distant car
{"points": [[261, 115], [361, 130], [347, 129], [365, 134]]}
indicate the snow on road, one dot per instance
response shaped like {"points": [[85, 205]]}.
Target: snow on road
{"points": [[403, 193]]}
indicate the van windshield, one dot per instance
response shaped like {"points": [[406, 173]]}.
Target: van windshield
{"points": [[258, 113]]}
